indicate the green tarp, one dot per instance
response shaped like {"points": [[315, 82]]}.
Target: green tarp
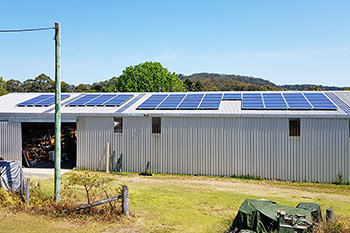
{"points": [[314, 208], [261, 216]]}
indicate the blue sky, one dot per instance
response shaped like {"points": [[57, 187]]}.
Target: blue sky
{"points": [[287, 42]]}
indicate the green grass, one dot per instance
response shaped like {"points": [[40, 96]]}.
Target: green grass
{"points": [[172, 203]]}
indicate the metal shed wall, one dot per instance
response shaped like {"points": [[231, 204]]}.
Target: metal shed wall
{"points": [[11, 140], [226, 146], [93, 133]]}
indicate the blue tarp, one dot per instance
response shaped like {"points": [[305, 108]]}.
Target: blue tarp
{"points": [[11, 176]]}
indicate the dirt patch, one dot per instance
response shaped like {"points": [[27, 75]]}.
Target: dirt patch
{"points": [[251, 188]]}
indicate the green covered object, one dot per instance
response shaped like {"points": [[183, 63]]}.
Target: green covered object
{"points": [[263, 216], [314, 208]]}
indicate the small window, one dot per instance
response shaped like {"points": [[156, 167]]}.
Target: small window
{"points": [[118, 125], [294, 127], [156, 124]]}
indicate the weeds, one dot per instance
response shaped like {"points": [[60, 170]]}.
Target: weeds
{"points": [[340, 180], [333, 226], [78, 187], [246, 177]]}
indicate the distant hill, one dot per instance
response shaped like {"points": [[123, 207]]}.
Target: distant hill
{"points": [[310, 87], [227, 82]]}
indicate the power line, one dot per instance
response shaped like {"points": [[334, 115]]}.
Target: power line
{"points": [[27, 29]]}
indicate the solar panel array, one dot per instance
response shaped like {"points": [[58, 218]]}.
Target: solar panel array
{"points": [[182, 102], [103, 100], [284, 101], [41, 101], [209, 101], [250, 101]]}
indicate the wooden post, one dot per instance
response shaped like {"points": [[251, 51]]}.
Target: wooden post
{"points": [[27, 191], [329, 214], [125, 200], [107, 157]]}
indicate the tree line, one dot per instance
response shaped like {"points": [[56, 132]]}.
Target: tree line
{"points": [[153, 77]]}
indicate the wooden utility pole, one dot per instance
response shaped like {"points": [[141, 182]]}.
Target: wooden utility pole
{"points": [[57, 111]]}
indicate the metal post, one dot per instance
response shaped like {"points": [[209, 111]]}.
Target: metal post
{"points": [[57, 110]]}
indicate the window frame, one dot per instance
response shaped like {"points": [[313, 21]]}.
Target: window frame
{"points": [[294, 127], [120, 128], [156, 125]]}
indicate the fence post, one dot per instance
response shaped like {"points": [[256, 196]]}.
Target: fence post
{"points": [[27, 191], [107, 157], [125, 200], [329, 214]]}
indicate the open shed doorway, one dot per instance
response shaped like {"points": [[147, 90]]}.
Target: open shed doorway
{"points": [[38, 145]]}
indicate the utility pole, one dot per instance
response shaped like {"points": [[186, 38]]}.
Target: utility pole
{"points": [[57, 111]]}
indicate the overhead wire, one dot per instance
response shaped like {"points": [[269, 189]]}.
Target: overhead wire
{"points": [[26, 29]]}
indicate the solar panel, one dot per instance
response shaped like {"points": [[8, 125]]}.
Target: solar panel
{"points": [[171, 102], [118, 100], [48, 101], [274, 101], [99, 101], [297, 101], [320, 101], [41, 100], [32, 101], [83, 100], [211, 101], [191, 101], [152, 102], [339, 102], [252, 101], [232, 96]]}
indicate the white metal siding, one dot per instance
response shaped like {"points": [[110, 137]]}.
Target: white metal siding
{"points": [[222, 146], [134, 143], [93, 135], [11, 140], [226, 146]]}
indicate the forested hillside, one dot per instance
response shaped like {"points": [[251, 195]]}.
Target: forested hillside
{"points": [[227, 82]]}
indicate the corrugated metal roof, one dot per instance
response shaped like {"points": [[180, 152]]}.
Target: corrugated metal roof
{"points": [[8, 107]]}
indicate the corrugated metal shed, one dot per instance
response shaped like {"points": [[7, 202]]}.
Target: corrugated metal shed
{"points": [[227, 108], [10, 140], [209, 142]]}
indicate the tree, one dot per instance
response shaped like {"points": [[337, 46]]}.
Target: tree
{"points": [[99, 86], [82, 88], [13, 85], [198, 86], [147, 77], [193, 86], [3, 90], [42, 83], [188, 84], [65, 87]]}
